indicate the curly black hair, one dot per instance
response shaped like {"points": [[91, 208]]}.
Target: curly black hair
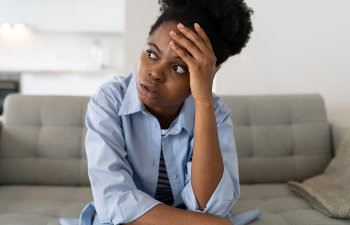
{"points": [[226, 22]]}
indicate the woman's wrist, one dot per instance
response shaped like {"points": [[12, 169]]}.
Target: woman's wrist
{"points": [[206, 101]]}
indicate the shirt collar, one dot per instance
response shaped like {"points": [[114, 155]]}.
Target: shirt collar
{"points": [[132, 104], [186, 116]]}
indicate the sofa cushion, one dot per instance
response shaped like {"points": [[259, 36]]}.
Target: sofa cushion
{"points": [[44, 205], [280, 137], [279, 206], [41, 205], [43, 140]]}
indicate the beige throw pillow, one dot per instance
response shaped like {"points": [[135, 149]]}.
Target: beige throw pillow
{"points": [[329, 192]]}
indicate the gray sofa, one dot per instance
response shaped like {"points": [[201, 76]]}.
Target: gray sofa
{"points": [[43, 168]]}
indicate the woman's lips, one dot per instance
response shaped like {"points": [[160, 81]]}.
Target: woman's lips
{"points": [[149, 90]]}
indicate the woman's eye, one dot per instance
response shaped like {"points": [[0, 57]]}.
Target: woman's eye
{"points": [[151, 55], [179, 69]]}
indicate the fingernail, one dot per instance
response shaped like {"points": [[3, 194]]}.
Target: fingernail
{"points": [[181, 26], [172, 33], [171, 43], [196, 25]]}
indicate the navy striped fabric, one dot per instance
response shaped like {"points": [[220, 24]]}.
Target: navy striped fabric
{"points": [[163, 192]]}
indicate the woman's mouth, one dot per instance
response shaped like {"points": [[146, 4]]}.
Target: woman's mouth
{"points": [[149, 90]]}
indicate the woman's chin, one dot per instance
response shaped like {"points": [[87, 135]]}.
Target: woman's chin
{"points": [[149, 101]]}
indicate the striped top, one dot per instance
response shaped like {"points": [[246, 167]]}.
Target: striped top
{"points": [[163, 192]]}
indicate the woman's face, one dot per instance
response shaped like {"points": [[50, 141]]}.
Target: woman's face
{"points": [[163, 80]]}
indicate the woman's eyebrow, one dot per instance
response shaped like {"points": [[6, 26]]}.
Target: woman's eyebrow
{"points": [[155, 46]]}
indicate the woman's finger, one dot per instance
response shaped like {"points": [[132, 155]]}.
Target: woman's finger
{"points": [[204, 36], [187, 44], [195, 38], [183, 54]]}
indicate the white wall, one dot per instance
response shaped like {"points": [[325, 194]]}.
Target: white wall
{"points": [[297, 47], [140, 15]]}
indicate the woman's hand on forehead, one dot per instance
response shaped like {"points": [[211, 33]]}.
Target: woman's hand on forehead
{"points": [[197, 52]]}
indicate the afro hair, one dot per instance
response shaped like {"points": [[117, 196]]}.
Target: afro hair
{"points": [[226, 22]]}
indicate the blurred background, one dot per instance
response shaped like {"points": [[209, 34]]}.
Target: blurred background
{"points": [[70, 47]]}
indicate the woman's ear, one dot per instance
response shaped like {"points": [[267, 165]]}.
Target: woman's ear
{"points": [[217, 68]]}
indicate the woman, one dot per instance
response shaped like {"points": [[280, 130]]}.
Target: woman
{"points": [[159, 144]]}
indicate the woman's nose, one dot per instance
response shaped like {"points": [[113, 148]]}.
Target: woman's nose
{"points": [[157, 75]]}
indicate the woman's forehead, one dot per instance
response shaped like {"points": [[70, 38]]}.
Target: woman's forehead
{"points": [[161, 36], [163, 31]]}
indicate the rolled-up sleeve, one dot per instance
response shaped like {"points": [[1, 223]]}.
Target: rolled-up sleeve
{"points": [[227, 192], [116, 198]]}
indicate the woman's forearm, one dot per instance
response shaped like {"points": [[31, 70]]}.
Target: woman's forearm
{"points": [[166, 215], [207, 164]]}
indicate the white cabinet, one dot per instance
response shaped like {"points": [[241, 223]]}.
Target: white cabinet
{"points": [[65, 15], [99, 15], [49, 14], [11, 11]]}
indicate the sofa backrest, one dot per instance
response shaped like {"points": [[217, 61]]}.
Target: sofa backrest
{"points": [[280, 137], [42, 140]]}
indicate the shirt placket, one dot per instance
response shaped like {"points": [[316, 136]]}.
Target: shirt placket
{"points": [[172, 169]]}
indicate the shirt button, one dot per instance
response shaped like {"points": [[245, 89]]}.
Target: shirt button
{"points": [[173, 176]]}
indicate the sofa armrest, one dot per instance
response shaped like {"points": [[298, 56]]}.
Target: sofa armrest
{"points": [[338, 130]]}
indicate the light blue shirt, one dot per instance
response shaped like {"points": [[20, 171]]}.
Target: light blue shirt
{"points": [[123, 145]]}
